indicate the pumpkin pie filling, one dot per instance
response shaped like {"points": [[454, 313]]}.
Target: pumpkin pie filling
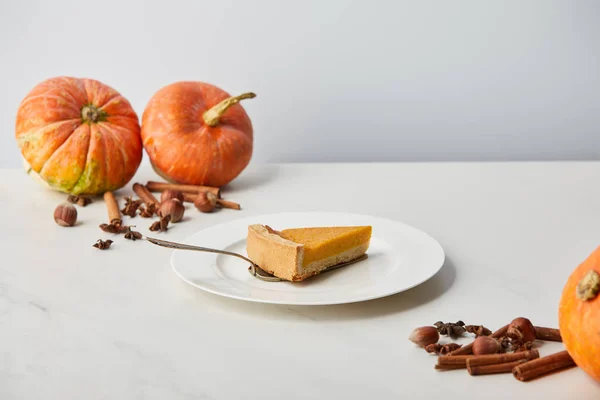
{"points": [[297, 254]]}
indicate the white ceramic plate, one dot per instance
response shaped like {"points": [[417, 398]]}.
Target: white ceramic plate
{"points": [[400, 257]]}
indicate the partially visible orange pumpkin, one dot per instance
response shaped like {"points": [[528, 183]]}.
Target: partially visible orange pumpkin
{"points": [[79, 136], [195, 133], [579, 315]]}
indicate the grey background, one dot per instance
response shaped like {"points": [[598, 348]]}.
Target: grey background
{"points": [[336, 80]]}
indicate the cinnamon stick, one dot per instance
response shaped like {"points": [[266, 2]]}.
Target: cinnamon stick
{"points": [[542, 366], [191, 197], [493, 368], [448, 367], [468, 349], [160, 186], [114, 215], [548, 334], [503, 358], [487, 359], [228, 204], [144, 194]]}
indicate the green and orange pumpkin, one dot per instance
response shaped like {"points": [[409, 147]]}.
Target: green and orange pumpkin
{"points": [[79, 136]]}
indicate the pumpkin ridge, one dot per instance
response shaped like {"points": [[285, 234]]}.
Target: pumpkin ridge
{"points": [[205, 130], [220, 158], [72, 104], [100, 85], [114, 118], [117, 140], [127, 107], [20, 136], [103, 139], [108, 133], [112, 130], [87, 152], [72, 85], [52, 183], [58, 148]]}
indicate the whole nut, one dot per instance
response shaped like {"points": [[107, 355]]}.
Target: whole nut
{"points": [[173, 208], [424, 336], [171, 194], [65, 214], [521, 328], [206, 201], [485, 345]]}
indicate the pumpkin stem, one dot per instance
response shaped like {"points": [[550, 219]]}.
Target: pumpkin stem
{"points": [[589, 286], [91, 114], [211, 117]]}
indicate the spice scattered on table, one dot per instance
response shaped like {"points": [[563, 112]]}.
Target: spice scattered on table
{"points": [[424, 336], [543, 366], [65, 214], [131, 207], [103, 244], [486, 345], [133, 235], [478, 330], [170, 194], [172, 208], [147, 197], [507, 350], [161, 225], [147, 211], [442, 349], [450, 329], [81, 201], [114, 228]]}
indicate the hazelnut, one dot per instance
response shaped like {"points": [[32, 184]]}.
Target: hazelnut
{"points": [[65, 214], [173, 208], [424, 336], [171, 194], [206, 201], [521, 328], [485, 345]]}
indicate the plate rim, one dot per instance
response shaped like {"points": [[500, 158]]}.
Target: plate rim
{"points": [[358, 299]]}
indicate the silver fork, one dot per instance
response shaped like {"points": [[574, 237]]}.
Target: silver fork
{"points": [[254, 269]]}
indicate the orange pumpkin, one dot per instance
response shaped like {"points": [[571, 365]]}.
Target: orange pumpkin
{"points": [[78, 136], [195, 133], [579, 315]]}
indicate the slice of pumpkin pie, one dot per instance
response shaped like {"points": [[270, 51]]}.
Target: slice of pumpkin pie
{"points": [[297, 254]]}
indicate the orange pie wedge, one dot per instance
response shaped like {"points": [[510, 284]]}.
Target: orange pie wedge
{"points": [[297, 254]]}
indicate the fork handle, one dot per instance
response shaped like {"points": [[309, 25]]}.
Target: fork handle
{"points": [[181, 246]]}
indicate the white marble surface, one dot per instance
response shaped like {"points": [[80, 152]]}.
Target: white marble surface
{"points": [[76, 322]]}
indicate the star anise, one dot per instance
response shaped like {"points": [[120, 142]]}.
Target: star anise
{"points": [[514, 344], [448, 348], [114, 228], [505, 344], [161, 225], [450, 329], [433, 348], [131, 207], [133, 235], [478, 330], [523, 347], [148, 211], [103, 244], [442, 350], [81, 201]]}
